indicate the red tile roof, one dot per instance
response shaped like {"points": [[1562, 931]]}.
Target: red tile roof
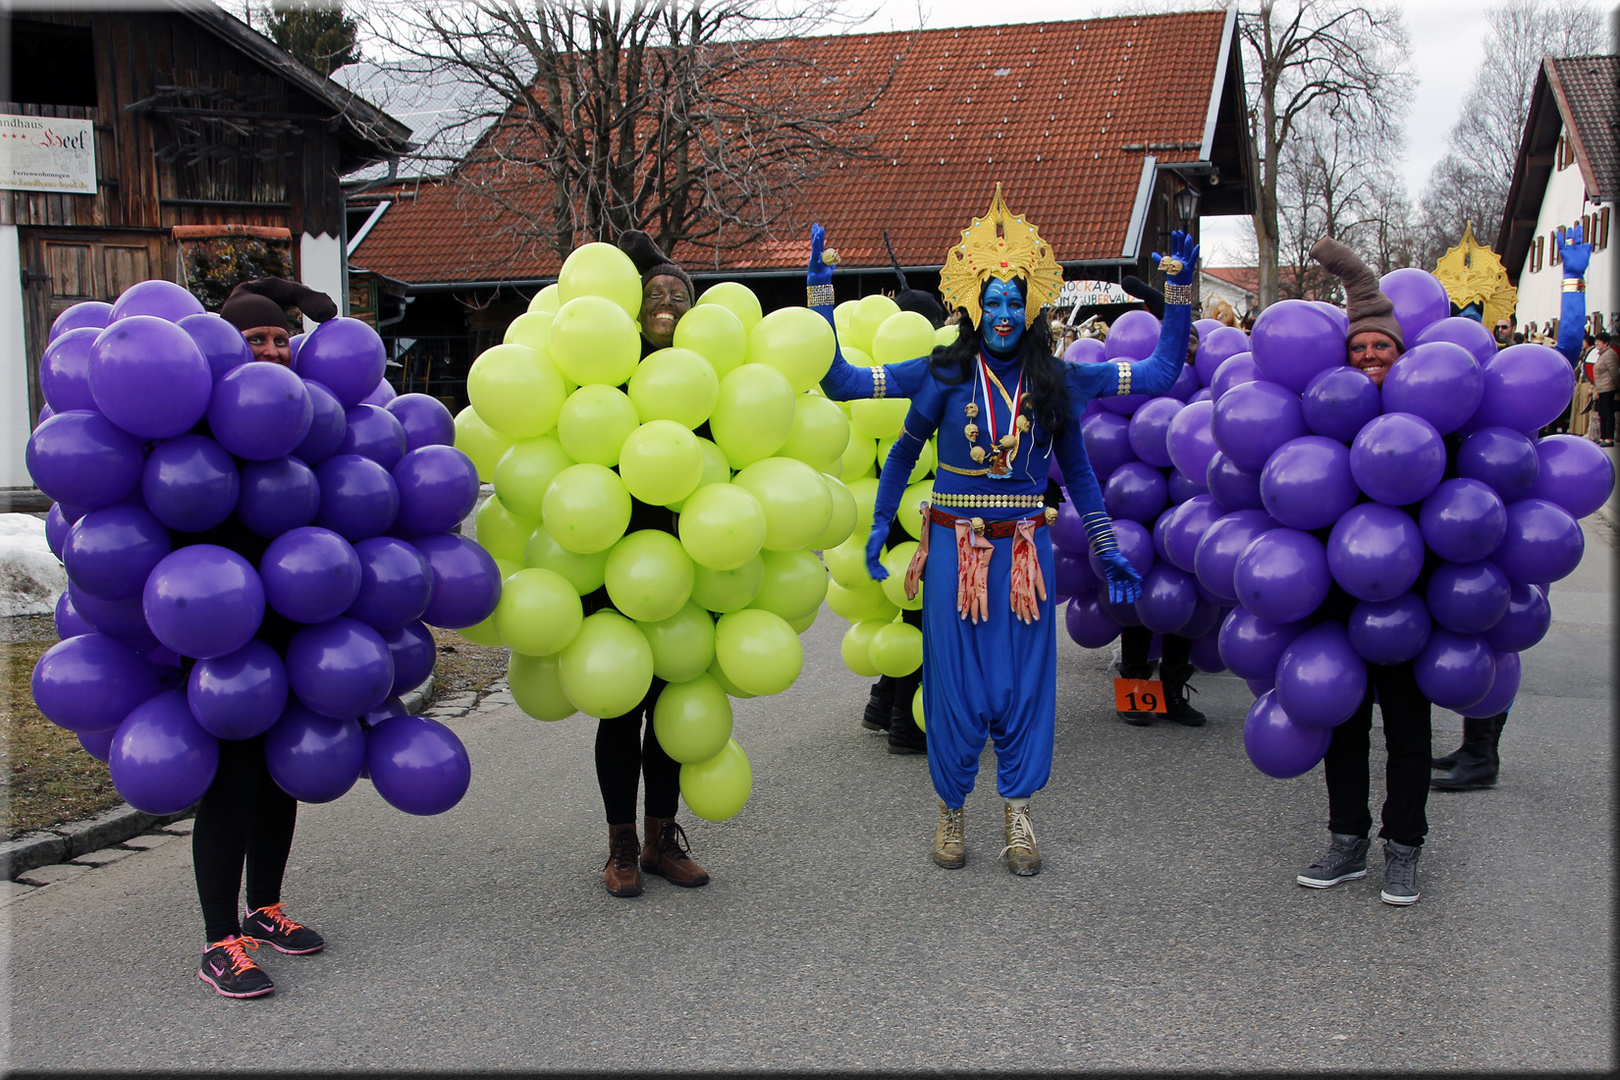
{"points": [[1062, 114], [1246, 278]]}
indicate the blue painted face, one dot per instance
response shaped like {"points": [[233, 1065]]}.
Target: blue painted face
{"points": [[1002, 326]]}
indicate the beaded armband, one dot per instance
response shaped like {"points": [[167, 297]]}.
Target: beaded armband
{"points": [[1124, 368], [1177, 294], [1100, 532], [1574, 284], [819, 296], [880, 381]]}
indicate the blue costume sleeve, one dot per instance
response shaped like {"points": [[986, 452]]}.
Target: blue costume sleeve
{"points": [[1158, 372], [842, 381], [1575, 254], [922, 420], [1124, 583]]}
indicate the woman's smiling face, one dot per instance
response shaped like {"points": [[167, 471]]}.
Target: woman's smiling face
{"points": [[1373, 353], [664, 300]]}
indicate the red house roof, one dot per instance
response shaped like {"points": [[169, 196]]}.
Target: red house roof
{"points": [[1072, 117]]}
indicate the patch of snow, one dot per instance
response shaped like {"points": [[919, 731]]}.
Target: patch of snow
{"points": [[31, 578]]}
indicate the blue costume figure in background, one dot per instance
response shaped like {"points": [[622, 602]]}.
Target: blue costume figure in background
{"points": [[1003, 406]]}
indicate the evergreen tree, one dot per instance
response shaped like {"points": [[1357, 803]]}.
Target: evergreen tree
{"points": [[316, 32]]}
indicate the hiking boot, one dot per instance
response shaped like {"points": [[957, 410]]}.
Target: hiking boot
{"points": [[950, 847], [879, 703], [1477, 761], [1344, 860], [621, 875], [1400, 873], [227, 967], [269, 926], [1023, 858], [1143, 670], [665, 853], [1176, 706]]}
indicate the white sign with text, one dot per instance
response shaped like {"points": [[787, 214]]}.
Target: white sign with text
{"points": [[47, 153]]}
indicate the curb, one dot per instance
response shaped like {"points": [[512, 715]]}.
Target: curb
{"points": [[68, 841]]}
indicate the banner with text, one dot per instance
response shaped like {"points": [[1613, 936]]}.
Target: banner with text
{"points": [[47, 153]]}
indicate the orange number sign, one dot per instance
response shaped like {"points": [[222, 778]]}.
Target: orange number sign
{"points": [[1139, 695]]}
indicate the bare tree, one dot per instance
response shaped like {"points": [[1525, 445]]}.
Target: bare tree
{"points": [[699, 122], [1333, 59]]}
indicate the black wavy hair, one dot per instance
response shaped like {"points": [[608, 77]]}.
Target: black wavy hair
{"points": [[1046, 385]]}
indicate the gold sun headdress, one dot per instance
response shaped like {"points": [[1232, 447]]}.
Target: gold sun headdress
{"points": [[1003, 246]]}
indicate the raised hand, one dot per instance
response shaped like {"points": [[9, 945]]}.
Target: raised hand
{"points": [[1124, 583], [1574, 252], [1182, 263], [818, 272]]}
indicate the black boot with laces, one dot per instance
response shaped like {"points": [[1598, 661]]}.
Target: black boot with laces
{"points": [[1176, 706]]}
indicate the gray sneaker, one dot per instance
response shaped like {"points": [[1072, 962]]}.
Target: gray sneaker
{"points": [[1400, 873], [1344, 860]]}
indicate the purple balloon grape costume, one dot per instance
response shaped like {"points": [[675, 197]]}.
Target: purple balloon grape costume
{"points": [[1004, 407]]}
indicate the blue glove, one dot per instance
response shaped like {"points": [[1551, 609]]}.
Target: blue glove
{"points": [[818, 272], [874, 551], [1183, 248], [1574, 253], [1124, 583]]}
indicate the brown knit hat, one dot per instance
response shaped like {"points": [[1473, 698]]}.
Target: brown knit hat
{"points": [[1365, 302], [651, 261], [264, 302]]}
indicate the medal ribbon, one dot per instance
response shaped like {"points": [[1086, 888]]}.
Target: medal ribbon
{"points": [[986, 377]]}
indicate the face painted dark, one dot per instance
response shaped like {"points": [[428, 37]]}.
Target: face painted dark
{"points": [[1002, 326], [664, 300], [1374, 354], [270, 344]]}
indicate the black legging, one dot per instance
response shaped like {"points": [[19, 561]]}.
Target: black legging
{"points": [[1605, 410], [624, 753], [1135, 641], [242, 818], [1406, 775]]}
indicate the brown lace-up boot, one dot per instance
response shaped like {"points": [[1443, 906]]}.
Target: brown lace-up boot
{"points": [[620, 875], [665, 854]]}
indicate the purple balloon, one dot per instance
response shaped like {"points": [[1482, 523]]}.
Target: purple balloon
{"points": [[1504, 688], [395, 584], [1135, 491], [121, 619], [1068, 532], [203, 601], [1084, 351], [414, 652], [1277, 745], [156, 299], [277, 496], [1463, 520], [1375, 552], [90, 682], [1467, 598], [295, 343], [1089, 625], [109, 552], [1122, 614], [149, 377], [1440, 382], [190, 483], [1501, 457], [161, 759], [1252, 646], [382, 395], [314, 758], [1320, 679], [1293, 341], [86, 313], [221, 344], [1215, 558], [1150, 427], [1202, 395], [346, 356], [1339, 402], [1340, 317], [1252, 419], [428, 423], [68, 621], [56, 529], [1542, 543], [1455, 671], [391, 706], [1215, 348], [1073, 573], [467, 583], [1398, 459], [1133, 336], [239, 695], [1192, 520], [1168, 599], [339, 668], [260, 411], [1459, 330], [358, 496], [1233, 487], [310, 574], [1186, 384], [64, 370], [1526, 387], [45, 413], [1528, 618], [1205, 653], [1389, 631], [1108, 443], [1306, 483], [438, 488], [83, 459], [373, 432], [1190, 438], [1235, 369], [1574, 473], [1158, 531], [417, 765], [1205, 620], [98, 744], [1419, 298], [327, 426], [1182, 487], [1282, 576]]}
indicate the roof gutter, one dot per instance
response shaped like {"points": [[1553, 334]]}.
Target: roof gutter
{"points": [[1228, 33], [1139, 208]]}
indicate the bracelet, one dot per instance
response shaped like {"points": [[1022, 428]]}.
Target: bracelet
{"points": [[819, 295], [1574, 284], [880, 379], [1124, 368], [1177, 294]]}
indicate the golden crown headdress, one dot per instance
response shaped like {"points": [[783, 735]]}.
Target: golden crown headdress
{"points": [[1003, 246]]}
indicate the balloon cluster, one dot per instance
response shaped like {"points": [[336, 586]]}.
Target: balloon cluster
{"points": [[1323, 522], [581, 436], [289, 531]]}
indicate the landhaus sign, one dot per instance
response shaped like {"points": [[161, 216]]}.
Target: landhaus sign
{"points": [[47, 153]]}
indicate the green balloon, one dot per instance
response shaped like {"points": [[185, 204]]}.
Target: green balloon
{"points": [[731, 688], [820, 432], [728, 590], [758, 651], [585, 573], [501, 532], [754, 414], [925, 458], [601, 270], [856, 648], [676, 384], [795, 341], [594, 422], [844, 323], [859, 457], [917, 699], [516, 390], [586, 508], [842, 521], [661, 462], [716, 470], [878, 418], [847, 562], [539, 612], [903, 336], [795, 584], [483, 633], [532, 328], [870, 313], [801, 625], [649, 575], [718, 788], [897, 650], [536, 685], [858, 602], [683, 644], [736, 298], [593, 341], [947, 335], [608, 668], [526, 470], [722, 526], [692, 719], [480, 442], [910, 514], [547, 300], [796, 501], [896, 561], [715, 333]]}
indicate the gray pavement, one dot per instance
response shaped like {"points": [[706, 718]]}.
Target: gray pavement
{"points": [[1165, 932]]}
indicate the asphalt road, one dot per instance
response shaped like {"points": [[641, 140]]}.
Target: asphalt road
{"points": [[1165, 932]]}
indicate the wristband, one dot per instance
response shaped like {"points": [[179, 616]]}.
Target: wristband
{"points": [[880, 379], [1574, 284], [1124, 369], [1177, 294], [819, 296]]}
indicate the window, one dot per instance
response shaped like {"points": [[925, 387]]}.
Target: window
{"points": [[1601, 240], [51, 64], [1554, 239], [1537, 253]]}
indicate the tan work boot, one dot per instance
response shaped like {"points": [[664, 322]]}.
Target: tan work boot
{"points": [[621, 876], [950, 848], [664, 853], [1023, 858]]}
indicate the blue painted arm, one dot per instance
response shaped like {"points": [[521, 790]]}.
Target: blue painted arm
{"points": [[1157, 373], [1575, 254]]}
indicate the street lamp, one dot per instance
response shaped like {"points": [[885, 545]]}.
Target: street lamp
{"points": [[1187, 204]]}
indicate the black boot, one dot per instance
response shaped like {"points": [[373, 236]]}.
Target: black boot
{"points": [[878, 705], [1450, 760], [1143, 670], [905, 737], [1477, 760], [1176, 706]]}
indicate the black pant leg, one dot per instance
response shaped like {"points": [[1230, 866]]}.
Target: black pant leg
{"points": [[1407, 716], [220, 836], [1345, 767], [1176, 650], [662, 773], [270, 836], [1134, 644], [621, 758]]}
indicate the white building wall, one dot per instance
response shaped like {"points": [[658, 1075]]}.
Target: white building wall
{"points": [[14, 363], [1540, 291], [321, 267]]}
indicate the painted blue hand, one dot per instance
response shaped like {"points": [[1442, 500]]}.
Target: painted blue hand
{"points": [[818, 272], [1574, 252], [1124, 583], [874, 553], [1183, 248], [1002, 326]]}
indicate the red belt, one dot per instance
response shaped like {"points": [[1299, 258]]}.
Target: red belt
{"points": [[994, 530]]}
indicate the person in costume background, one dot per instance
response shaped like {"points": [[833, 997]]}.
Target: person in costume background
{"points": [[1004, 405]]}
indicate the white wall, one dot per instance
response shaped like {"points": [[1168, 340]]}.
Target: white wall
{"points": [[1540, 292], [321, 260], [13, 364], [1212, 288]]}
